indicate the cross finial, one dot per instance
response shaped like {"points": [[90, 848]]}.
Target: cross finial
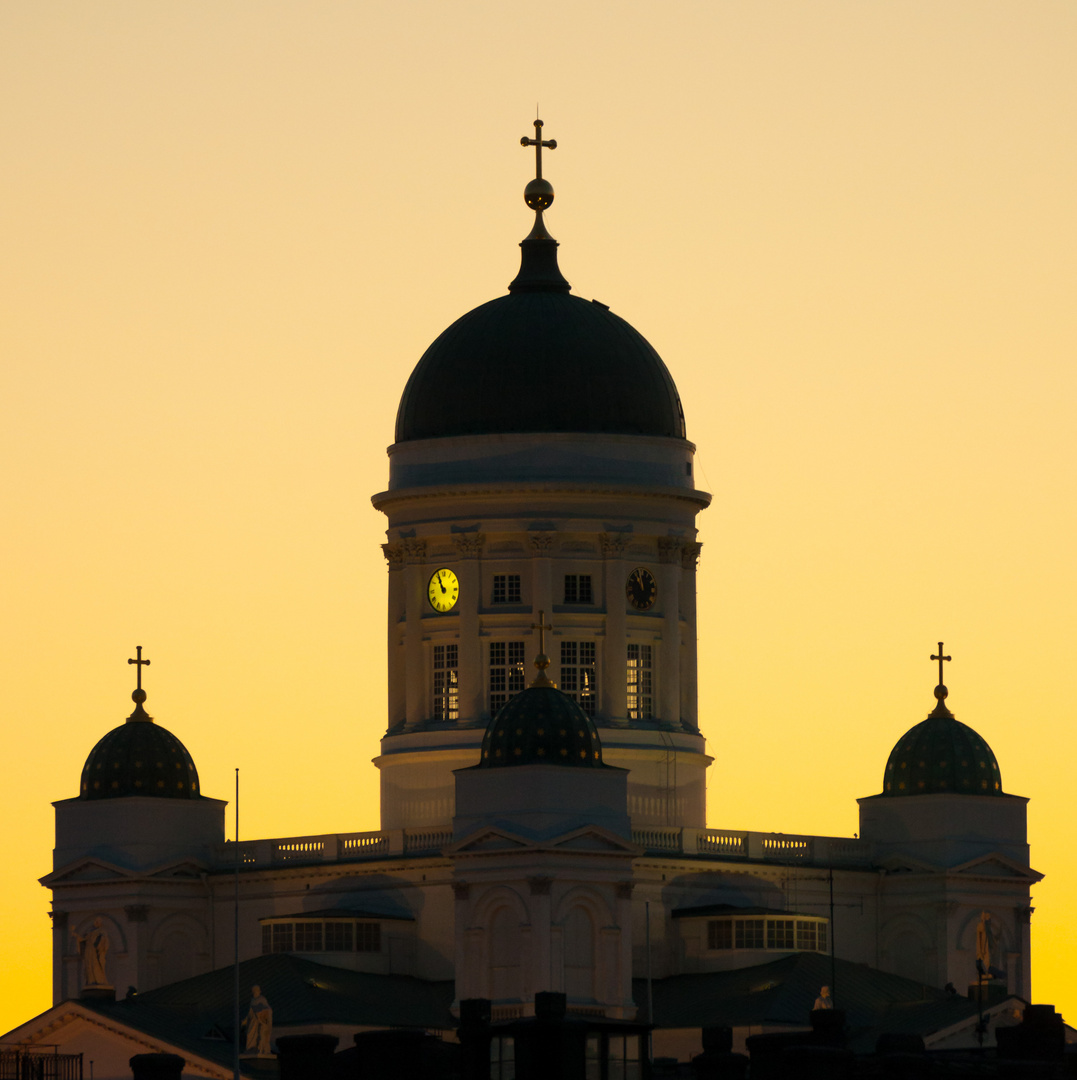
{"points": [[538, 143], [940, 659], [141, 664], [542, 661], [941, 693]]}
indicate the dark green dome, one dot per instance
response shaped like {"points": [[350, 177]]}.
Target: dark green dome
{"points": [[541, 726], [537, 361], [139, 758], [942, 756]]}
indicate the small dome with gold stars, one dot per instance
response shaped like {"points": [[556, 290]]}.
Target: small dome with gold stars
{"points": [[541, 726], [942, 756], [139, 758]]}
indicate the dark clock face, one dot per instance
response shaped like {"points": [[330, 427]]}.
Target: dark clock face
{"points": [[443, 590], [641, 589]]}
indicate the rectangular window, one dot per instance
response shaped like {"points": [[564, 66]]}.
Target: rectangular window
{"points": [[506, 672], [506, 589], [779, 933], [578, 589], [308, 937], [283, 940], [339, 937], [808, 935], [502, 1058], [446, 682], [640, 683], [749, 933], [368, 937], [720, 934], [579, 674]]}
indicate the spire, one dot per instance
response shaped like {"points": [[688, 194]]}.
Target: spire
{"points": [[941, 692], [138, 695], [542, 661], [538, 266]]}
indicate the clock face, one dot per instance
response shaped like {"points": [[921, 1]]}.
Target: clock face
{"points": [[443, 590], [641, 589]]}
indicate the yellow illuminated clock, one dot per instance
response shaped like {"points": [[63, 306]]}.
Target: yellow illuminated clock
{"points": [[443, 590]]}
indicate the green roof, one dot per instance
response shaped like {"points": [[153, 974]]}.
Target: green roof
{"points": [[197, 1014]]}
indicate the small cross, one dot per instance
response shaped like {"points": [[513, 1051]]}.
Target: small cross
{"points": [[542, 626], [538, 143], [940, 659], [141, 663]]}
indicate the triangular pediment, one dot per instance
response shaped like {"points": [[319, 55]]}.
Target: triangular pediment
{"points": [[72, 1027], [83, 870], [594, 839], [490, 839], [997, 865], [906, 864]]}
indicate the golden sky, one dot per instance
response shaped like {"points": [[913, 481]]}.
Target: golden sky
{"points": [[229, 230]]}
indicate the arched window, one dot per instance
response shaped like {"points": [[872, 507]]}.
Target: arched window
{"points": [[504, 953], [579, 954]]}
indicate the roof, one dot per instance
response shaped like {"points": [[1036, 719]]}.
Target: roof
{"points": [[196, 1014], [940, 755], [783, 992], [541, 726], [539, 360], [339, 913], [733, 909], [139, 758]]}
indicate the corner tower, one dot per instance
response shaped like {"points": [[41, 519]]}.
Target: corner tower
{"points": [[559, 479]]}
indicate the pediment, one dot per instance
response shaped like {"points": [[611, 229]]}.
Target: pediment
{"points": [[906, 864], [86, 870], [72, 1028], [594, 840], [997, 865], [488, 840], [185, 870]]}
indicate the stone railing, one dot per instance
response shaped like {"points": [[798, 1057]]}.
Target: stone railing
{"points": [[768, 847], [655, 840], [334, 847]]}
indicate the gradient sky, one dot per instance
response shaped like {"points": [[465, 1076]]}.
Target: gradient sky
{"points": [[230, 229]]}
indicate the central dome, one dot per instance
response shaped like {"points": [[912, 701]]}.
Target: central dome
{"points": [[539, 361]]}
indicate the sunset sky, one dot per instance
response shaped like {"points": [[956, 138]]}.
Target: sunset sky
{"points": [[230, 229]]}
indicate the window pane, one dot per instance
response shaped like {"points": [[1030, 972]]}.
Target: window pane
{"points": [[339, 937], [446, 682], [572, 591], [579, 674], [586, 596], [639, 683], [283, 940], [720, 934], [308, 937], [368, 937], [506, 672], [749, 933], [806, 936], [779, 933]]}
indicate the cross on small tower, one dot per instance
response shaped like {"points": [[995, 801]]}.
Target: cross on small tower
{"points": [[541, 626], [538, 143], [940, 659], [141, 663]]}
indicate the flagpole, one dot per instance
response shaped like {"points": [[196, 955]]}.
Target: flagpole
{"points": [[235, 939]]}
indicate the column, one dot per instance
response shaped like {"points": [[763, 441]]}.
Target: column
{"points": [[417, 678], [469, 551], [612, 692], [669, 667], [690, 636], [542, 592], [395, 648]]}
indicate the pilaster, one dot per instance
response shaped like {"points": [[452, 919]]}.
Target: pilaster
{"points": [[469, 551], [669, 668], [416, 689], [612, 690]]}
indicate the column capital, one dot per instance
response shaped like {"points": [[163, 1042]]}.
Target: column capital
{"points": [[469, 545], [690, 555], [540, 542], [394, 555], [613, 545]]}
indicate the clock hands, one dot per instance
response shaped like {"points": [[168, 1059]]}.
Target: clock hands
{"points": [[441, 583]]}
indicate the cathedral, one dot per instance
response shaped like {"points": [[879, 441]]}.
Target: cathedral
{"points": [[542, 774]]}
